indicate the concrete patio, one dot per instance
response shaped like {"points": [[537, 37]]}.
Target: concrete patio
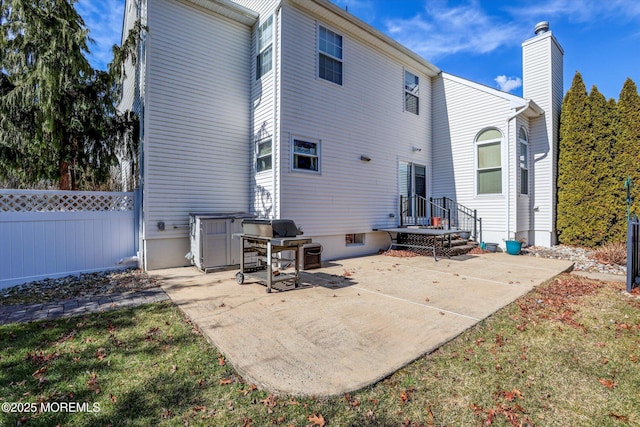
{"points": [[354, 321]]}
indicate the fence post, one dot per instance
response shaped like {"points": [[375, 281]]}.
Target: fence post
{"points": [[475, 225], [633, 253]]}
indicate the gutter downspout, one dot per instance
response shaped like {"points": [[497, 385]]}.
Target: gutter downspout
{"points": [[509, 119], [275, 141]]}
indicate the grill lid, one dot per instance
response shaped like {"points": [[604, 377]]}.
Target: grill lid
{"points": [[270, 227]]}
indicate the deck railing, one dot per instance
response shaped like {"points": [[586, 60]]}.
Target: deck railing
{"points": [[414, 211], [459, 216], [440, 212]]}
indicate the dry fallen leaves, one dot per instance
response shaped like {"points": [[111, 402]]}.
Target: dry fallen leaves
{"points": [[317, 420], [92, 383], [608, 383], [269, 401]]}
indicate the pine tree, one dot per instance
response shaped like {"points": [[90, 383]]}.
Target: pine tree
{"points": [[575, 173], [628, 143], [58, 121]]}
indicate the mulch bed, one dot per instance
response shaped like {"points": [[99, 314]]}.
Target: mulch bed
{"points": [[83, 285]]}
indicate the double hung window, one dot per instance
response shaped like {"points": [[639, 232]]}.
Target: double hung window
{"points": [[263, 155], [306, 155], [329, 55], [264, 59], [411, 93]]}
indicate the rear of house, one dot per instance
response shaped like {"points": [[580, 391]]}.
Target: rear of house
{"points": [[296, 109]]}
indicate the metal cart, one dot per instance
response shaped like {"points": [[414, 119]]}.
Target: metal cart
{"points": [[262, 243]]}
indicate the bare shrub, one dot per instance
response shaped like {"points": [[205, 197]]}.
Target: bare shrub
{"points": [[611, 253]]}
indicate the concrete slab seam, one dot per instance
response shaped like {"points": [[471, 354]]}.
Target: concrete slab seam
{"points": [[418, 303], [474, 278]]}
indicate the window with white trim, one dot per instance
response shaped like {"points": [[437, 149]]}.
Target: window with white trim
{"points": [[489, 162], [411, 93], [352, 239], [264, 58], [305, 155], [264, 149], [329, 55], [524, 161]]}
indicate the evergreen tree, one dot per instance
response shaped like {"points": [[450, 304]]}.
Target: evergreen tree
{"points": [[58, 121], [575, 168], [628, 144], [603, 221]]}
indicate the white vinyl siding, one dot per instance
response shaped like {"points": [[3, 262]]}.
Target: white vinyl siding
{"points": [[197, 151], [461, 111], [264, 121], [351, 195]]}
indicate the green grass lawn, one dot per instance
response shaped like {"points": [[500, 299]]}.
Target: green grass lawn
{"points": [[566, 354]]}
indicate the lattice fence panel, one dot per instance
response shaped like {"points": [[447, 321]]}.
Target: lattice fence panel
{"points": [[64, 201]]}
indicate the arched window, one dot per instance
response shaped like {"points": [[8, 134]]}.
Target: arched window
{"points": [[524, 161], [489, 162]]}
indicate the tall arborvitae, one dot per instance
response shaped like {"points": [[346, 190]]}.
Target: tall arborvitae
{"points": [[575, 174], [603, 225], [628, 144]]}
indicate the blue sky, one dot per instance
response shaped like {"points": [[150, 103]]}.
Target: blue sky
{"points": [[475, 39]]}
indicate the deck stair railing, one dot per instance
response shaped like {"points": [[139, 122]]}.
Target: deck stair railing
{"points": [[459, 216], [633, 254], [414, 211], [418, 211]]}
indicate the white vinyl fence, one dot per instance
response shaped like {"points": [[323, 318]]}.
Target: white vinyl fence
{"points": [[45, 234]]}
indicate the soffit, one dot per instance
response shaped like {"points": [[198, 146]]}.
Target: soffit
{"points": [[229, 9]]}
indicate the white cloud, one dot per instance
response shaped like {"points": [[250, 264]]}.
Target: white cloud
{"points": [[508, 84], [104, 20], [441, 30]]}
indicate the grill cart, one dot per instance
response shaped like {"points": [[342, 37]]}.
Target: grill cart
{"points": [[262, 243]]}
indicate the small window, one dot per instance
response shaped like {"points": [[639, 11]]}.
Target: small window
{"points": [[411, 93], [524, 162], [263, 155], [264, 59], [354, 239], [306, 155], [329, 55], [489, 162]]}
